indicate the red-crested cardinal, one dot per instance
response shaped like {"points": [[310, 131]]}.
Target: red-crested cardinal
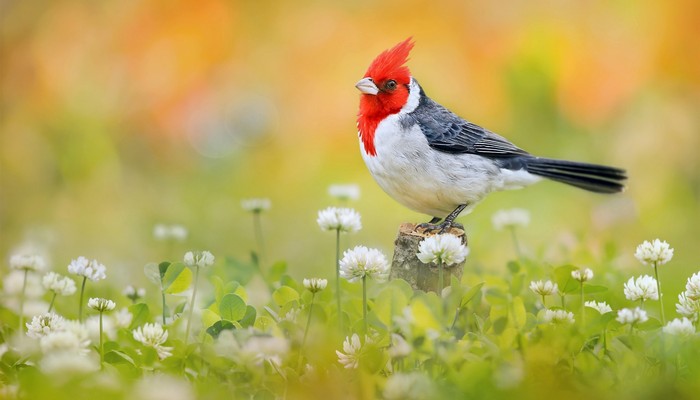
{"points": [[436, 163]]}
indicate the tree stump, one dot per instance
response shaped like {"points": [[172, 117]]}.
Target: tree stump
{"points": [[405, 265]]}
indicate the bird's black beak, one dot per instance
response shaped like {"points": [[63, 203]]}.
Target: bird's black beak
{"points": [[367, 86]]}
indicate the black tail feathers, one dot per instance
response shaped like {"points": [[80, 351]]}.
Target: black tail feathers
{"points": [[591, 177]]}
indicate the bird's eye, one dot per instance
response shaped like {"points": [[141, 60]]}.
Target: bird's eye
{"points": [[390, 85]]}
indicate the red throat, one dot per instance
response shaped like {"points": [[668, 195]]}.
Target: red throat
{"points": [[389, 65]]}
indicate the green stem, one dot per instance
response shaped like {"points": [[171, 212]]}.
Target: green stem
{"points": [[440, 279], [194, 295], [53, 299], [259, 237], [80, 306], [516, 325], [515, 242], [661, 299], [21, 301], [308, 321], [543, 305], [162, 293], [454, 321], [364, 302], [583, 308], [337, 278], [605, 341], [102, 348]]}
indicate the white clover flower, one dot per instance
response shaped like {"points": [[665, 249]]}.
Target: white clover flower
{"points": [[226, 344], [133, 293], [643, 288], [92, 270], [361, 262], [256, 205], [11, 293], [399, 347], [254, 350], [261, 348], [78, 329], [200, 259], [408, 386], [162, 387], [64, 340], [680, 327], [339, 219], [291, 315], [122, 318], [100, 304], [315, 285], [654, 253], [444, 248], [602, 307], [510, 218], [63, 363], [544, 288], [688, 307], [161, 232], [59, 284], [582, 275], [14, 280], [692, 287], [558, 317], [352, 349], [629, 316], [44, 324], [153, 335], [344, 192], [27, 262], [405, 321], [170, 232]]}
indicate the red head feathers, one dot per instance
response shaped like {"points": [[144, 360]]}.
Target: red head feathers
{"points": [[390, 64], [385, 91]]}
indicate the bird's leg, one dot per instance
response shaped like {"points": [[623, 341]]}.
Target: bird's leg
{"points": [[449, 220], [445, 225]]}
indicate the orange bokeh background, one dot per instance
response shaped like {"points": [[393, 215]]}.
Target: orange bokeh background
{"points": [[119, 115]]}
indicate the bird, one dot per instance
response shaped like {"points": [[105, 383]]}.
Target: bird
{"points": [[434, 162]]}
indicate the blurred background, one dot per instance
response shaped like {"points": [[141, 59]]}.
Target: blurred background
{"points": [[116, 116]]}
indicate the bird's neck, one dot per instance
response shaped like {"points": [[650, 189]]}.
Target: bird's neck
{"points": [[373, 110]]}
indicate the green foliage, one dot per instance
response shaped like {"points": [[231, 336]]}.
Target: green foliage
{"points": [[176, 278], [140, 315], [285, 295], [489, 336], [232, 307]]}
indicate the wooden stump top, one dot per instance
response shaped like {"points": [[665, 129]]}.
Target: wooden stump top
{"points": [[406, 265], [408, 228]]}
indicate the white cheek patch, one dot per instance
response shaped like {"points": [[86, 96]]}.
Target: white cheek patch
{"points": [[413, 98]]}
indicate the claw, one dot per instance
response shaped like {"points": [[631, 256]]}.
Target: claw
{"points": [[427, 227], [445, 226]]}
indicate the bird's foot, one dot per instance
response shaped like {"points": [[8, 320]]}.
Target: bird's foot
{"points": [[433, 228]]}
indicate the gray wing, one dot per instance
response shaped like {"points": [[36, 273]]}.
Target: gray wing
{"points": [[449, 133]]}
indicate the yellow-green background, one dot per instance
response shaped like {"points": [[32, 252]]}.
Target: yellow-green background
{"points": [[122, 114]]}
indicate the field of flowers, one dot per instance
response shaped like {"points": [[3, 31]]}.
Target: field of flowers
{"points": [[201, 329], [131, 267]]}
